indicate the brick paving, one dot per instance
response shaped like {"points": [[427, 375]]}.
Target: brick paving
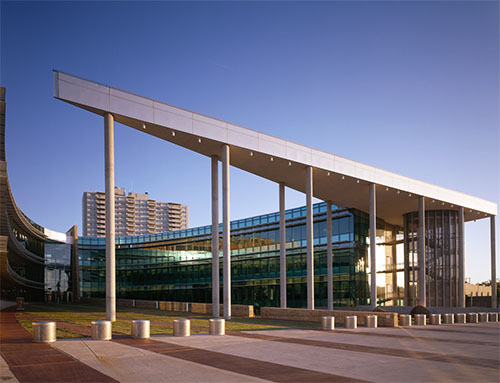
{"points": [[251, 367], [40, 362], [459, 353], [456, 359]]}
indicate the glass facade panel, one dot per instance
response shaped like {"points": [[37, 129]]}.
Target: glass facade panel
{"points": [[179, 268], [441, 256]]}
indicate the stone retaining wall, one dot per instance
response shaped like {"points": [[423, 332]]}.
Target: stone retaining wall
{"points": [[384, 319], [244, 311]]}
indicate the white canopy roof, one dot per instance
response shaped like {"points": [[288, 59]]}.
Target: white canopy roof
{"points": [[342, 181]]}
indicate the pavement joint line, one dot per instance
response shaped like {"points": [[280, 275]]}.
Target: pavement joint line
{"points": [[45, 364], [422, 355], [444, 329], [242, 365], [410, 337]]}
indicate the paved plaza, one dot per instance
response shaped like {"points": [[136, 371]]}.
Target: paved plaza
{"points": [[459, 352]]}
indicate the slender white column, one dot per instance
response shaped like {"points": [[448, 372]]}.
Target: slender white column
{"points": [[493, 264], [282, 247], [109, 171], [310, 238], [215, 237], [421, 251], [394, 254], [406, 266], [226, 234], [329, 254], [461, 258], [373, 244]]}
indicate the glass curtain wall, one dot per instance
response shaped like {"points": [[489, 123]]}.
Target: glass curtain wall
{"points": [[24, 267], [176, 266], [57, 272], [441, 256]]}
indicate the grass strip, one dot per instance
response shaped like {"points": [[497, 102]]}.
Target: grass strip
{"points": [[60, 333], [162, 321]]}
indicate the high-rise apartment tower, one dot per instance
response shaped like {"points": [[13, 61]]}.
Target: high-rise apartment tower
{"points": [[135, 214]]}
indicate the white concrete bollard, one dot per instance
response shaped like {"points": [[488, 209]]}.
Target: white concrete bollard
{"points": [[435, 319], [157, 305], [371, 321], [217, 326], [492, 317], [351, 321], [140, 328], [133, 303], [460, 318], [448, 318], [483, 317], [101, 330], [472, 317], [405, 320], [182, 327], [328, 323], [44, 331], [420, 319]]}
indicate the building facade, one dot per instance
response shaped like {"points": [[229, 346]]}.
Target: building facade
{"points": [[35, 262], [398, 241], [135, 214], [176, 266]]}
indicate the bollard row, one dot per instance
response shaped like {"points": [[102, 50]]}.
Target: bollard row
{"points": [[216, 326], [182, 327], [371, 321], [404, 320], [44, 331], [448, 318], [351, 321], [435, 319], [420, 319], [472, 317], [101, 330], [483, 317], [140, 328], [328, 323]]}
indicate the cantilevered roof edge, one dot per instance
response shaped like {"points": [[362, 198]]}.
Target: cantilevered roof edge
{"points": [[102, 98]]}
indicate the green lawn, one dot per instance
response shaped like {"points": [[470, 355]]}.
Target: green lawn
{"points": [[161, 321]]}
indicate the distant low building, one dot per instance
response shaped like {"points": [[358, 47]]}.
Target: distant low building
{"points": [[476, 290], [135, 214]]}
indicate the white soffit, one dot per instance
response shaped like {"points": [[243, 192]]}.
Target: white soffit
{"points": [[340, 180]]}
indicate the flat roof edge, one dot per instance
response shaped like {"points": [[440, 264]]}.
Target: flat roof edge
{"points": [[100, 97]]}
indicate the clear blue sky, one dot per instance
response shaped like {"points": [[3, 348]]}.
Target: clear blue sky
{"points": [[411, 87]]}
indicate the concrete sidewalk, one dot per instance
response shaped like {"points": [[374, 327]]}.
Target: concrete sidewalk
{"points": [[456, 353]]}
